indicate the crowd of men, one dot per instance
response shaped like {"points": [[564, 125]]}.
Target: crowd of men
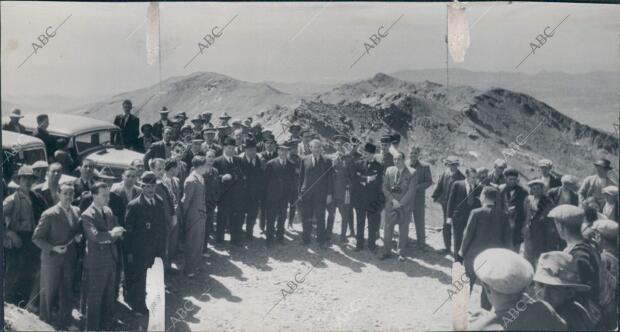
{"points": [[95, 237]]}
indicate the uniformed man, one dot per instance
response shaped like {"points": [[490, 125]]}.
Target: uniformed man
{"points": [[102, 231], [270, 148], [425, 180], [342, 179], [368, 198], [22, 210], [504, 276], [145, 239], [163, 122], [57, 235], [231, 176], [252, 168], [279, 178], [593, 185], [193, 205], [440, 195]]}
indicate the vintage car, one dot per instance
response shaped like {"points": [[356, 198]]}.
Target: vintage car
{"points": [[18, 150], [88, 138]]}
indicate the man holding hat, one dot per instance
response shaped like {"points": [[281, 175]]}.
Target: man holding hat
{"points": [[549, 179], [610, 209], [252, 168], [441, 193], [145, 239], [367, 196], [163, 122], [504, 276], [232, 183], [130, 127], [147, 139], [557, 283], [193, 205], [593, 185], [342, 179], [566, 193], [22, 210], [279, 178], [539, 235], [13, 124], [512, 200]]}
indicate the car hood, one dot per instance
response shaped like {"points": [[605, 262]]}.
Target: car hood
{"points": [[112, 157]]}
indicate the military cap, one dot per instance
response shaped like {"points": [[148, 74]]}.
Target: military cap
{"points": [[209, 131], [503, 270], [567, 214], [607, 228], [147, 178], [556, 268], [105, 174], [370, 148], [569, 179], [229, 141], [511, 172], [40, 164], [25, 170], [452, 160], [249, 143], [164, 110], [603, 163], [545, 163], [611, 190], [499, 162], [536, 181]]}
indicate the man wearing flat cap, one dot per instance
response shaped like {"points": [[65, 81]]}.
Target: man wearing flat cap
{"points": [[146, 225], [593, 185], [610, 209], [232, 180], [252, 167], [566, 193], [539, 235], [163, 122], [22, 211], [557, 283], [441, 194], [549, 179], [13, 124], [130, 127], [568, 221], [504, 276], [367, 196], [512, 200]]}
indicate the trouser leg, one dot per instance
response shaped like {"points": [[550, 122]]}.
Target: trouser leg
{"points": [[403, 232], [319, 213], [418, 218], [49, 283], [361, 221], [280, 220], [446, 231], [373, 229], [388, 231], [270, 223], [306, 219]]}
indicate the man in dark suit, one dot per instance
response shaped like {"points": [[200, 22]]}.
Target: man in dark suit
{"points": [[42, 133], [315, 192], [166, 191], [102, 231], [130, 127], [270, 152], [294, 158], [368, 198], [252, 168], [56, 235], [425, 180], [512, 200], [147, 138], [160, 149], [342, 178], [279, 173], [441, 192], [464, 196], [145, 240], [163, 122], [228, 209]]}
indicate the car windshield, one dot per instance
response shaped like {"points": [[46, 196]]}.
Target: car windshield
{"points": [[92, 140]]}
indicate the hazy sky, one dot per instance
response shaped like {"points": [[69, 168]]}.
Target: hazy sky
{"points": [[100, 50]]}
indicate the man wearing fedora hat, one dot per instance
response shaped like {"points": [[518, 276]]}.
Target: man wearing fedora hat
{"points": [[557, 283], [224, 118], [252, 168], [279, 178], [504, 276], [13, 124], [130, 127], [295, 130], [440, 195], [147, 139], [22, 211], [368, 198], [163, 122], [593, 185], [607, 236], [539, 234], [145, 239]]}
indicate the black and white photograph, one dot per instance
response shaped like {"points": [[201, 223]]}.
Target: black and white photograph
{"points": [[310, 166]]}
